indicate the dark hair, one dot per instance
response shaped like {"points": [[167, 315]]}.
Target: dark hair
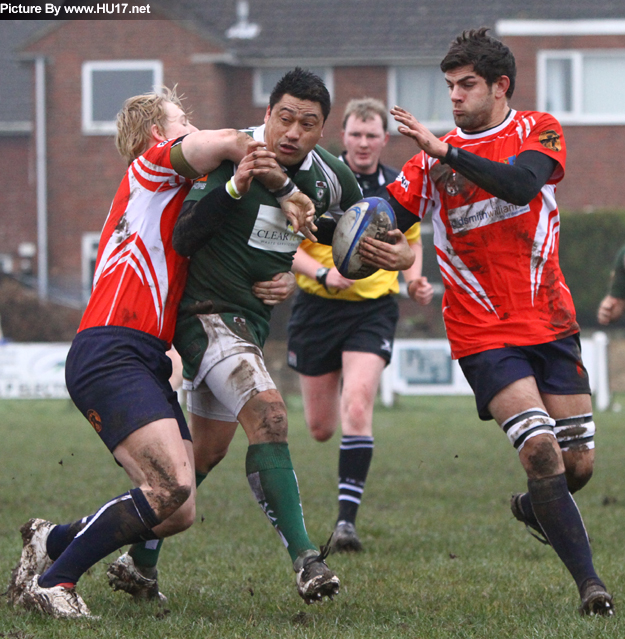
{"points": [[303, 85], [489, 58]]}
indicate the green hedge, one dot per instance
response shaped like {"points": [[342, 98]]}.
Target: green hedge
{"points": [[588, 246]]}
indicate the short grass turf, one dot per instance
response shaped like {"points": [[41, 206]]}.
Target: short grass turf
{"points": [[443, 556]]}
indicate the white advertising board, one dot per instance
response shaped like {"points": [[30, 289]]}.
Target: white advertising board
{"points": [[425, 367], [33, 371]]}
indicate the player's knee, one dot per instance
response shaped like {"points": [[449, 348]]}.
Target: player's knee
{"points": [[210, 460], [181, 519], [541, 457], [356, 414], [320, 430], [576, 479], [168, 498], [272, 423], [575, 436]]}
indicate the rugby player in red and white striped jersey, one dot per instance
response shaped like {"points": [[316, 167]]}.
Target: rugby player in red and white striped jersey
{"points": [[117, 370], [490, 188]]}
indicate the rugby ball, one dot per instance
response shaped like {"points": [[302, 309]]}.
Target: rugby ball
{"points": [[371, 217]]}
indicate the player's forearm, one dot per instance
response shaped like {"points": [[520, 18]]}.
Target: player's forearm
{"points": [[201, 221], [415, 270], [206, 150], [517, 183], [305, 264]]}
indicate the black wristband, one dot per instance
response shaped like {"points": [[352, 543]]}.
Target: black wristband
{"points": [[450, 156]]}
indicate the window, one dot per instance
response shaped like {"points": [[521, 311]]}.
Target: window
{"points": [[266, 79], [422, 90], [583, 87], [105, 86], [89, 255]]}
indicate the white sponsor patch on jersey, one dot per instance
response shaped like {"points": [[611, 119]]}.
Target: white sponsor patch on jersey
{"points": [[272, 232], [473, 216]]}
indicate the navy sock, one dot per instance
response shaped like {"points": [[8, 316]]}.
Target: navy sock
{"points": [[62, 535], [126, 519], [354, 461], [557, 513]]}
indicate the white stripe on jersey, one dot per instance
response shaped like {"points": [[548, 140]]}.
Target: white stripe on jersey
{"points": [[132, 257], [147, 248], [453, 269], [545, 238], [163, 174]]}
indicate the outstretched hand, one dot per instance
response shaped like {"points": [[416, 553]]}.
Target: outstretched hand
{"points": [[412, 128], [300, 212]]}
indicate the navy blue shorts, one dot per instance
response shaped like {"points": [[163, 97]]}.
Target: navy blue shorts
{"points": [[118, 378], [321, 330], [557, 367]]}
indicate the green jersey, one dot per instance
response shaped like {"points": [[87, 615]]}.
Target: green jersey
{"points": [[255, 243]]}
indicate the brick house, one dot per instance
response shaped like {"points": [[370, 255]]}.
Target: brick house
{"points": [[72, 75]]}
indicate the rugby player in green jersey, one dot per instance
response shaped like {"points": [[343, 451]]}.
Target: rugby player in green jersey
{"points": [[236, 235]]}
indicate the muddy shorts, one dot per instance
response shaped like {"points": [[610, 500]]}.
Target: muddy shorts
{"points": [[231, 372], [557, 367], [118, 378], [321, 330]]}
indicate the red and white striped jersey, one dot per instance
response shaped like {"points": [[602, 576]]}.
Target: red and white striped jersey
{"points": [[499, 261], [139, 278]]}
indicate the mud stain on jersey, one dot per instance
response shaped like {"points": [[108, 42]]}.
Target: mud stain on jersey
{"points": [[122, 230]]}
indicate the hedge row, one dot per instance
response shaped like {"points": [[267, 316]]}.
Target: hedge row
{"points": [[588, 246]]}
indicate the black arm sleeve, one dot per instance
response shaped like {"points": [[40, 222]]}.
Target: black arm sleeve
{"points": [[517, 183], [200, 221], [405, 219], [325, 230]]}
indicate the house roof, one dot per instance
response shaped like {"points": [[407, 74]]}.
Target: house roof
{"points": [[368, 31], [313, 31]]}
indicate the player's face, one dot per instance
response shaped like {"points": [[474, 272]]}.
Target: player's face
{"points": [[473, 101], [364, 141], [292, 129], [177, 123]]}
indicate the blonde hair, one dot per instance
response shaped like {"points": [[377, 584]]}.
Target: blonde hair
{"points": [[136, 118], [366, 109]]}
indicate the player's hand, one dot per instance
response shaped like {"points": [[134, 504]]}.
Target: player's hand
{"points": [[257, 163], [610, 309], [412, 128], [391, 257], [335, 280], [300, 212], [279, 288], [420, 290]]}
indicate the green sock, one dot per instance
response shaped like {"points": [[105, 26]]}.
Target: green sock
{"points": [[272, 480], [145, 554]]}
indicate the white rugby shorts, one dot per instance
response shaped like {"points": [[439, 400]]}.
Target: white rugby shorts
{"points": [[231, 373]]}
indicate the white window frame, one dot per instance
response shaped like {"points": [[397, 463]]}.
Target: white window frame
{"points": [[89, 253], [91, 127], [436, 126], [261, 99], [576, 115]]}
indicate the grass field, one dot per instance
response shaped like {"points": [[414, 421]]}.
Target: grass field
{"points": [[444, 557]]}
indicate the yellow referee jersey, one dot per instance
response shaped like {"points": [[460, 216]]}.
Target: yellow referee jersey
{"points": [[376, 285]]}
